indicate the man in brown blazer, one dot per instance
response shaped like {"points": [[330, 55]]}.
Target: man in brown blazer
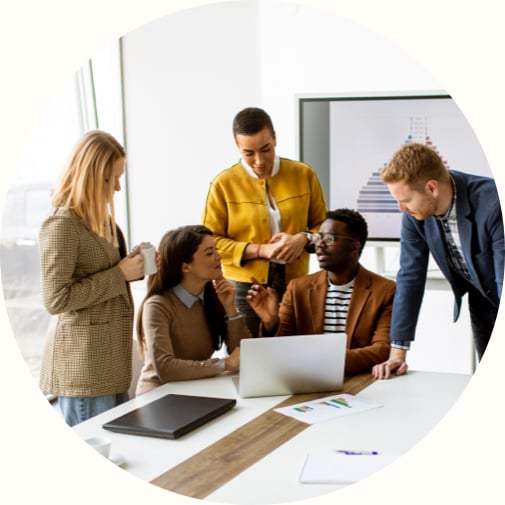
{"points": [[342, 297]]}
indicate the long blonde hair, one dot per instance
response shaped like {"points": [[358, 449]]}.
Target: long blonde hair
{"points": [[88, 183]]}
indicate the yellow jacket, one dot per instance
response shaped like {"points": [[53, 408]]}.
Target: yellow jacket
{"points": [[236, 211]]}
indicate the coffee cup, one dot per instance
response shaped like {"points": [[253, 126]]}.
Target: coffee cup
{"points": [[100, 444], [149, 253]]}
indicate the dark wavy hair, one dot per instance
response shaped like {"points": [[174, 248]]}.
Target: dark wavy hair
{"points": [[177, 247]]}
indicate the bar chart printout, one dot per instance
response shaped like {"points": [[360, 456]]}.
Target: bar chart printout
{"points": [[327, 408]]}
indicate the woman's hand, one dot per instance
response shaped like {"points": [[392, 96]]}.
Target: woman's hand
{"points": [[225, 291], [132, 266], [232, 362], [287, 248]]}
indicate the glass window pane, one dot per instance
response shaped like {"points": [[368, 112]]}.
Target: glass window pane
{"points": [[27, 204]]}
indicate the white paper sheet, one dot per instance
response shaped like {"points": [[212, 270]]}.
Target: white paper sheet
{"points": [[333, 467]]}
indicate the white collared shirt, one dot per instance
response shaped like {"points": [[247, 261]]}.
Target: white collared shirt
{"points": [[250, 171], [273, 212]]}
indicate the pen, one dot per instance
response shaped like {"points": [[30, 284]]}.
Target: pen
{"points": [[358, 453]]}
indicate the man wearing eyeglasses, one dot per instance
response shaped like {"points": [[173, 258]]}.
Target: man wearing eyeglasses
{"points": [[457, 218], [342, 297]]}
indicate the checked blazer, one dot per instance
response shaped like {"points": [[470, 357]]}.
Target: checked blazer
{"points": [[90, 352]]}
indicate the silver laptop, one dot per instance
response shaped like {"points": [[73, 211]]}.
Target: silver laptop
{"points": [[272, 366]]}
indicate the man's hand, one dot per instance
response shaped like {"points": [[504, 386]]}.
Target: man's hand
{"points": [[265, 303], [396, 363]]}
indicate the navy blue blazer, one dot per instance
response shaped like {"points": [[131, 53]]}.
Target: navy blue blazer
{"points": [[480, 226]]}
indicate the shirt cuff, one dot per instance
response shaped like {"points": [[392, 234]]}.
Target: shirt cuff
{"points": [[401, 344]]}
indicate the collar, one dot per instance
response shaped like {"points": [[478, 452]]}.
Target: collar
{"points": [[250, 171], [186, 297], [341, 286], [453, 202]]}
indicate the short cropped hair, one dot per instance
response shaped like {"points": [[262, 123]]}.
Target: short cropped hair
{"points": [[356, 225], [415, 164], [250, 121]]}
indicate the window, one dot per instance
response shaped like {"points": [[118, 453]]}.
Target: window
{"points": [[27, 202]]}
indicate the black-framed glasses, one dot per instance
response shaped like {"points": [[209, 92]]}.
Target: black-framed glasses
{"points": [[328, 238]]}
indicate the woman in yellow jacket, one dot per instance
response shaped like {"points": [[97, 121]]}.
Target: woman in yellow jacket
{"points": [[260, 211]]}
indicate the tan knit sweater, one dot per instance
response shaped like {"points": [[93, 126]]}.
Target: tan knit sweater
{"points": [[178, 343]]}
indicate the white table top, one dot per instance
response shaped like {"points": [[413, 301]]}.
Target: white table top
{"points": [[412, 406], [147, 457]]}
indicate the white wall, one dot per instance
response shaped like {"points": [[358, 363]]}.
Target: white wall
{"points": [[185, 77]]}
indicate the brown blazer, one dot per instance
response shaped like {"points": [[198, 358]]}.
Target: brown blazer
{"points": [[90, 352], [368, 320]]}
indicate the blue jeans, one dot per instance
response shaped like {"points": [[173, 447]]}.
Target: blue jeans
{"points": [[77, 409]]}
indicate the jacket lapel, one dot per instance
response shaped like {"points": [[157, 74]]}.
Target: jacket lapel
{"points": [[316, 299], [464, 212], [360, 295]]}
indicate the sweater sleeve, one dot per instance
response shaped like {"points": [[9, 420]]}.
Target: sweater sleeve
{"points": [[215, 217], [236, 330]]}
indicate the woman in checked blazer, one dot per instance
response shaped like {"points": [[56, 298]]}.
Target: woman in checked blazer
{"points": [[85, 274]]}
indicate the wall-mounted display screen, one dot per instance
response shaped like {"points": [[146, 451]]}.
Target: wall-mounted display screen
{"points": [[348, 141]]}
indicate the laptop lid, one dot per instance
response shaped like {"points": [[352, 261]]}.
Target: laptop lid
{"points": [[170, 416], [293, 364]]}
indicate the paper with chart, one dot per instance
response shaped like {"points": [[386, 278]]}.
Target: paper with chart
{"points": [[327, 408]]}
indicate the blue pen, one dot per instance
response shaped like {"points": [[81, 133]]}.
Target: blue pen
{"points": [[358, 453]]}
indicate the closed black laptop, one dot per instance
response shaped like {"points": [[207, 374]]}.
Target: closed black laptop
{"points": [[170, 416]]}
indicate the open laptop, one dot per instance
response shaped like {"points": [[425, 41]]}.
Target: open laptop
{"points": [[170, 416], [293, 364]]}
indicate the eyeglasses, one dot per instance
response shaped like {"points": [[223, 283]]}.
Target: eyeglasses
{"points": [[328, 238]]}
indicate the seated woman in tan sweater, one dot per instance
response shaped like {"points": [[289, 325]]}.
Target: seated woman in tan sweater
{"points": [[188, 313]]}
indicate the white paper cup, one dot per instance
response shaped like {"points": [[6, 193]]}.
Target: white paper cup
{"points": [[149, 253], [100, 444]]}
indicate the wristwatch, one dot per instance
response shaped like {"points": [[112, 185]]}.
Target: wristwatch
{"points": [[308, 235]]}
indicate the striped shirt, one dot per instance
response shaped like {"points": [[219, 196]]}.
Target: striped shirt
{"points": [[338, 298]]}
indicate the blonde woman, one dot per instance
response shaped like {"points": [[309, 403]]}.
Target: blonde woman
{"points": [[85, 274]]}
